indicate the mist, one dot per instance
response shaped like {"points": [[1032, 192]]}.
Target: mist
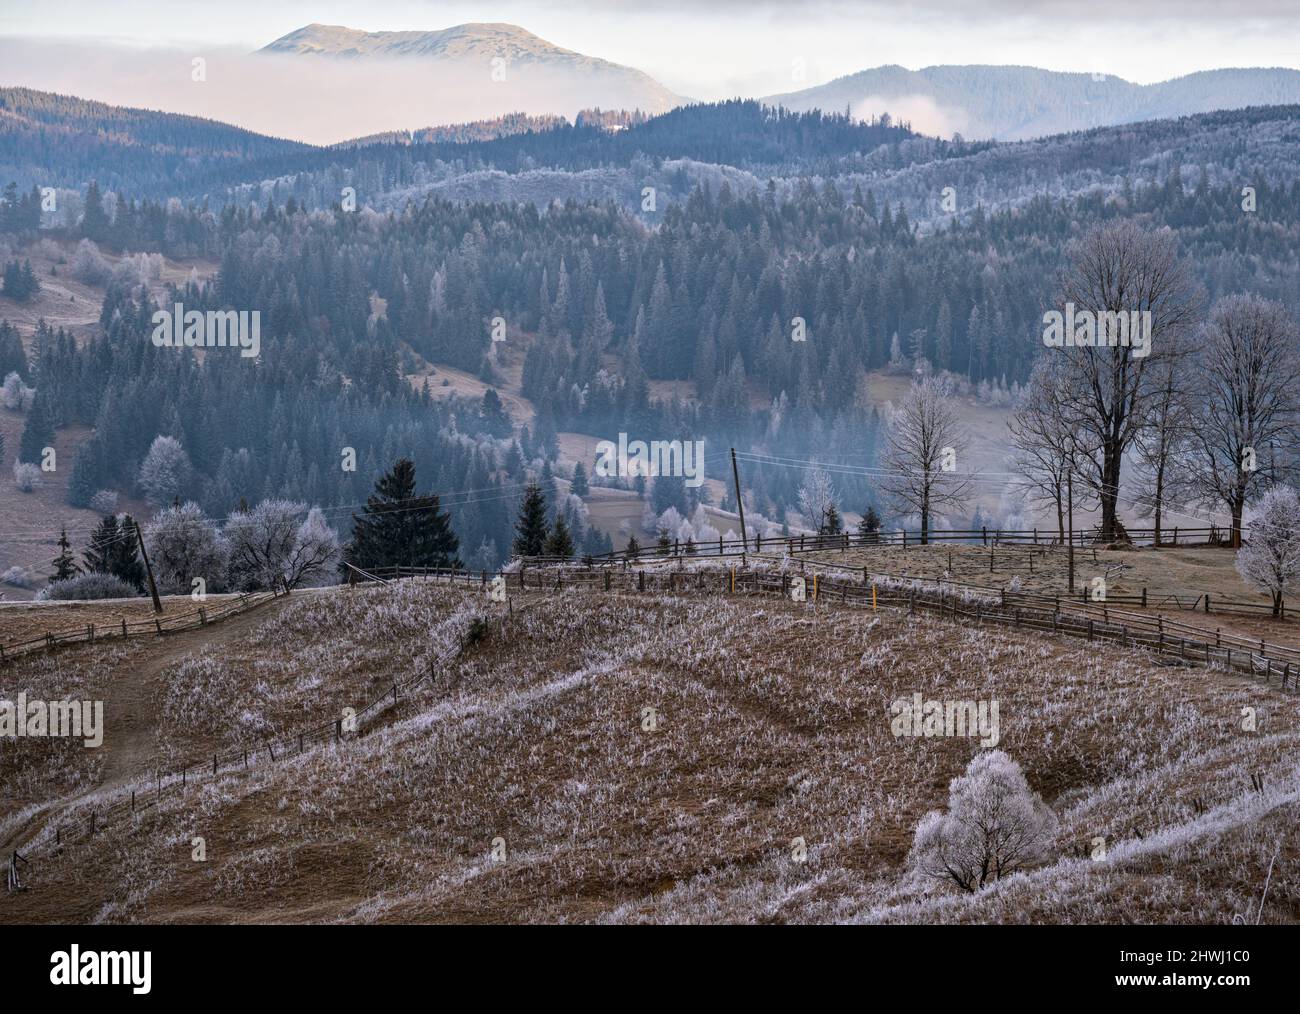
{"points": [[316, 100]]}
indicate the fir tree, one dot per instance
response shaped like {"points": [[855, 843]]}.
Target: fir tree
{"points": [[869, 526], [664, 541], [559, 543], [124, 555], [530, 528], [399, 528], [632, 549], [831, 524], [580, 487], [65, 565], [38, 433], [97, 555]]}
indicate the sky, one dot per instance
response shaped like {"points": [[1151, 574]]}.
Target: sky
{"points": [[722, 48], [139, 52]]}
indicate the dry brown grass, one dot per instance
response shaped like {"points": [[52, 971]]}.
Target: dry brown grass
{"points": [[773, 724]]}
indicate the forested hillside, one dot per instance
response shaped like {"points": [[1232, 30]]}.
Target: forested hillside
{"points": [[767, 307], [60, 141]]}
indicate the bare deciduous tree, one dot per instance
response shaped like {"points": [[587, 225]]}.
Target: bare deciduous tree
{"points": [[1162, 440], [1121, 268], [1247, 401], [995, 826], [269, 547], [922, 439], [816, 496], [1044, 440]]}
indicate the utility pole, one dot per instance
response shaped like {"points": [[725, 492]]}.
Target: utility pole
{"points": [[740, 506], [153, 588]]}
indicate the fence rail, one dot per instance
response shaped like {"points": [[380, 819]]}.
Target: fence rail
{"points": [[910, 538], [93, 633]]}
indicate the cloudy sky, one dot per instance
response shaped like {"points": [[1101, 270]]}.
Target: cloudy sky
{"points": [[140, 53], [720, 48]]}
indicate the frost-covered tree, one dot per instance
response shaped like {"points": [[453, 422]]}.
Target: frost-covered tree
{"points": [[88, 265], [26, 476], [269, 547], [1121, 267], [1247, 402], [816, 497], [920, 434], [1043, 439], [15, 395], [182, 545], [1271, 559], [165, 471], [995, 826]]}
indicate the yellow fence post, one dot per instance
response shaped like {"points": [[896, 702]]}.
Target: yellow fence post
{"points": [[873, 597]]}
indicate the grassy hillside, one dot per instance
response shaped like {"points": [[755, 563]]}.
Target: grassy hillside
{"points": [[772, 723]]}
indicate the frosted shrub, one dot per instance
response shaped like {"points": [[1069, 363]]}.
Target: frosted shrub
{"points": [[89, 586], [104, 502], [26, 476], [994, 827], [17, 577]]}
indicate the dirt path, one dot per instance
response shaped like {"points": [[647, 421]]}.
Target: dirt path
{"points": [[132, 709]]}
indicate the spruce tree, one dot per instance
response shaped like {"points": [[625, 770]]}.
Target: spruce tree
{"points": [[38, 433], [633, 548], [530, 528], [580, 486], [869, 526], [124, 555], [399, 528], [98, 552], [65, 565], [559, 542], [832, 524]]}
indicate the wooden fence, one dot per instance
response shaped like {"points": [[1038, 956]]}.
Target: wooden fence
{"points": [[93, 633]]}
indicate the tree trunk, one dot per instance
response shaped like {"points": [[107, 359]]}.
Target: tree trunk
{"points": [[1109, 494]]}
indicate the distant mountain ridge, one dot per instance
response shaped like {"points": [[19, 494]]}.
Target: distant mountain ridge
{"points": [[1019, 103], [473, 47]]}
